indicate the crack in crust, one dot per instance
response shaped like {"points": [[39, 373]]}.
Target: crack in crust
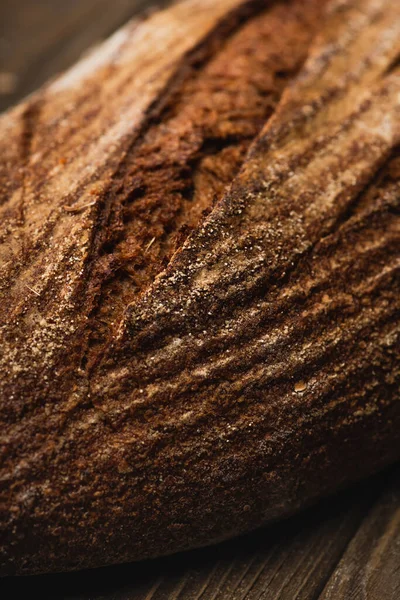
{"points": [[184, 162]]}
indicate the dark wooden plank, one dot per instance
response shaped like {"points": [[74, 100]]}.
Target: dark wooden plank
{"points": [[292, 560], [370, 568], [41, 38]]}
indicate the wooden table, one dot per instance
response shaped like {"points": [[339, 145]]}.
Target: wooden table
{"points": [[347, 547]]}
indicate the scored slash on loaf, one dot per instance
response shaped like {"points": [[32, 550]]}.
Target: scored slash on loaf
{"points": [[200, 285]]}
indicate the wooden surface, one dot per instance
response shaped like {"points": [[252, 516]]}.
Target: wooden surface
{"points": [[39, 38], [346, 547]]}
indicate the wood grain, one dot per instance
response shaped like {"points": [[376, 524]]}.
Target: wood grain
{"points": [[370, 567]]}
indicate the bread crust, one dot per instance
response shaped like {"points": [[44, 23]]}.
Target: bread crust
{"points": [[200, 286]]}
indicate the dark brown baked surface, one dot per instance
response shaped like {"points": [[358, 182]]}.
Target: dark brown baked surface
{"points": [[200, 291]]}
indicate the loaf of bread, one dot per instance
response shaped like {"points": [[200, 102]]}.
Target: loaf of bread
{"points": [[200, 279]]}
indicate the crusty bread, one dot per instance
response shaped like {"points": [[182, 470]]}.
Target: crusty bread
{"points": [[200, 288]]}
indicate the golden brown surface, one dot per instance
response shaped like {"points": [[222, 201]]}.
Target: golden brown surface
{"points": [[236, 388]]}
